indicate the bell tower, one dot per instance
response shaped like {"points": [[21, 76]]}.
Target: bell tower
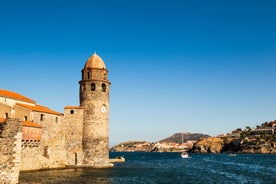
{"points": [[94, 99]]}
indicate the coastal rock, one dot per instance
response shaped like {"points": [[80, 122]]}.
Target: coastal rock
{"points": [[231, 145], [264, 150], [258, 145], [208, 145]]}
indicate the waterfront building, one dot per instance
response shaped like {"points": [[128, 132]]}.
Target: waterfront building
{"points": [[50, 139]]}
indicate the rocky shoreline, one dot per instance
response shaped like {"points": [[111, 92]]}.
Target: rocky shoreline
{"points": [[230, 145], [259, 140], [206, 145]]}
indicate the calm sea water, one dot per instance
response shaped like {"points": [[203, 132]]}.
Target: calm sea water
{"points": [[167, 168]]}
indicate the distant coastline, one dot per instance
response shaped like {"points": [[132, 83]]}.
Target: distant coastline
{"points": [[259, 140]]}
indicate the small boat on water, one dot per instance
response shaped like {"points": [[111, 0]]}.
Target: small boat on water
{"points": [[232, 154], [184, 155]]}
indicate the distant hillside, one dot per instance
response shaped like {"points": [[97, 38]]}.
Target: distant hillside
{"points": [[187, 136], [170, 144]]}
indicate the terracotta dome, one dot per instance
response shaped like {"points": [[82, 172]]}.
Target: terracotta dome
{"points": [[94, 62]]}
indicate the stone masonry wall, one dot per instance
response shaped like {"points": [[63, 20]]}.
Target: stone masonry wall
{"points": [[4, 109], [96, 119], [50, 153], [73, 116], [10, 150]]}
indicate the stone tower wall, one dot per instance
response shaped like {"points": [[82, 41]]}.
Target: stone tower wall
{"points": [[73, 116], [10, 150], [96, 117]]}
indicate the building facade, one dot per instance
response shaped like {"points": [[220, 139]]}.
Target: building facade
{"points": [[50, 139]]}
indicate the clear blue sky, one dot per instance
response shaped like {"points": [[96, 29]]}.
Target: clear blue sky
{"points": [[175, 65]]}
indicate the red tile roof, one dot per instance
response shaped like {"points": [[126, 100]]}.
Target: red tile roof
{"points": [[24, 123], [39, 108], [2, 120], [73, 107], [15, 96], [31, 124]]}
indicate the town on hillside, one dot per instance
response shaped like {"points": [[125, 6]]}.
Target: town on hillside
{"points": [[261, 139]]}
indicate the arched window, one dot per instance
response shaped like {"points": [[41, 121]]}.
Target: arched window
{"points": [[103, 87], [93, 87]]}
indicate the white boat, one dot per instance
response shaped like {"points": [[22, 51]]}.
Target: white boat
{"points": [[232, 154], [184, 155]]}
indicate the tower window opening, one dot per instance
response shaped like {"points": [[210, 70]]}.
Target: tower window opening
{"points": [[56, 119], [76, 158], [41, 117], [25, 118], [71, 111], [88, 75], [103, 87], [93, 87], [7, 115]]}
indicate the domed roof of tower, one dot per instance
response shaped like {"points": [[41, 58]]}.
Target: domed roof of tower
{"points": [[94, 61]]}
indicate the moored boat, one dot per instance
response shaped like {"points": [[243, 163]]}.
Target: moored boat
{"points": [[184, 155]]}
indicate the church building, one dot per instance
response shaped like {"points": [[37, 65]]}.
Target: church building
{"points": [[47, 139]]}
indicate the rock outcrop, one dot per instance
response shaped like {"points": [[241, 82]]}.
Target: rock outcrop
{"points": [[209, 145], [230, 145]]}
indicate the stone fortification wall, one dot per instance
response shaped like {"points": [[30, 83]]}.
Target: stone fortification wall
{"points": [[50, 152], [73, 116], [10, 150]]}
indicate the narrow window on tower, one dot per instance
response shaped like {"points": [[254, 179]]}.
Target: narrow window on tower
{"points": [[41, 117], [7, 115], [103, 87], [93, 87], [25, 118], [72, 112], [88, 75]]}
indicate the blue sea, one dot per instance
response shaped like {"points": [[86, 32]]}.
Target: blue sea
{"points": [[167, 168]]}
